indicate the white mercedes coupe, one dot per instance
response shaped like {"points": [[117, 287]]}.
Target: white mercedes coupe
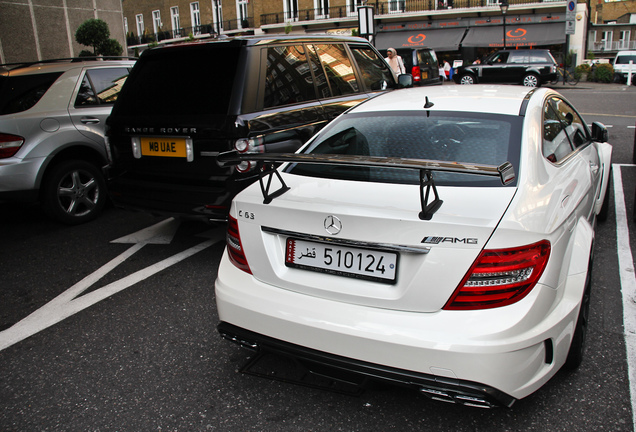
{"points": [[441, 238]]}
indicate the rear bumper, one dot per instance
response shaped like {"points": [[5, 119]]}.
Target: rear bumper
{"points": [[506, 352], [438, 388]]}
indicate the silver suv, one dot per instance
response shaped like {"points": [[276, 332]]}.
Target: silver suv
{"points": [[52, 118]]}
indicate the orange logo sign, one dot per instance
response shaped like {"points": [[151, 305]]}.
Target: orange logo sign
{"points": [[417, 39], [518, 33]]}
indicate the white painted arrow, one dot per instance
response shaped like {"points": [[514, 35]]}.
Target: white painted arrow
{"points": [[68, 303]]}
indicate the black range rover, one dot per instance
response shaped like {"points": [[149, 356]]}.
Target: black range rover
{"points": [[183, 105], [530, 67]]}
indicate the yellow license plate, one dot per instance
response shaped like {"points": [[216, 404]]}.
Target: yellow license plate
{"points": [[424, 75], [164, 146]]}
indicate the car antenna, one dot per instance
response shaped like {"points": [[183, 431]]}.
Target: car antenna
{"points": [[428, 104]]}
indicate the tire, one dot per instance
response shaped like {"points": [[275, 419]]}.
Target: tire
{"points": [[571, 78], [467, 79], [530, 80], [577, 348], [604, 212], [74, 192]]}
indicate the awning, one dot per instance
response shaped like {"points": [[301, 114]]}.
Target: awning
{"points": [[439, 40], [518, 35]]}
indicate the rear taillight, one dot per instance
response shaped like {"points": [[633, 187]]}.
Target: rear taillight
{"points": [[251, 145], [500, 277], [9, 145], [415, 71], [234, 247]]}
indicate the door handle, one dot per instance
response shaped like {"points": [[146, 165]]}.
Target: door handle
{"points": [[89, 120], [594, 167]]}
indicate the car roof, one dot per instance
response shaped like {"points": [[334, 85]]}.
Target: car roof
{"points": [[474, 98], [60, 65], [264, 40]]}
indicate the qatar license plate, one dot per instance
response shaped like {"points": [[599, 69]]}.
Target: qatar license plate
{"points": [[164, 146], [369, 264]]}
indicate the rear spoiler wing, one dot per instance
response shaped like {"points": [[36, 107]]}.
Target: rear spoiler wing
{"points": [[267, 169]]}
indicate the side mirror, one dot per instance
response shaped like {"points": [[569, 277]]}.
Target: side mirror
{"points": [[405, 80], [599, 132]]}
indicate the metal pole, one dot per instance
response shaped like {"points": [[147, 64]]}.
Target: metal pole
{"points": [[504, 10]]}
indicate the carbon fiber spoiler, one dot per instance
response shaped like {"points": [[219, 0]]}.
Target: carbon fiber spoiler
{"points": [[267, 168]]}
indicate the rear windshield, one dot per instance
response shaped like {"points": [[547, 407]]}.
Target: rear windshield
{"points": [[19, 93], [427, 58], [180, 81], [445, 136]]}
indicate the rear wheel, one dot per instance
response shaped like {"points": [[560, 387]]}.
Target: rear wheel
{"points": [[604, 212], [467, 79], [74, 192], [570, 78], [530, 80], [577, 348]]}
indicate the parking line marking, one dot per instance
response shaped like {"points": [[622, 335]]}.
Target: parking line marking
{"points": [[68, 303], [628, 282]]}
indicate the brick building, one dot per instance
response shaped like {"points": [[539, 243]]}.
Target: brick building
{"points": [[43, 29], [612, 28]]}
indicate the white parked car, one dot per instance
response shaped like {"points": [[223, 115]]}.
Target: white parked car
{"points": [[439, 238]]}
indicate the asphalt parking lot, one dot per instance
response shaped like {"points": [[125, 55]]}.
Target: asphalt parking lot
{"points": [[112, 326]]}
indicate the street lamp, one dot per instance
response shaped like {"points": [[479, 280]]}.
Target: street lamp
{"points": [[504, 10]]}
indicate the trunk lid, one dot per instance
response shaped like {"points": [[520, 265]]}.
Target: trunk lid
{"points": [[377, 217]]}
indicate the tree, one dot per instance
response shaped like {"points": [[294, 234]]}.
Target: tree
{"points": [[95, 33]]}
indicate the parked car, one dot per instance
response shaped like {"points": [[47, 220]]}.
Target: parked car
{"points": [[422, 64], [440, 245], [530, 67], [272, 94], [621, 66], [52, 119]]}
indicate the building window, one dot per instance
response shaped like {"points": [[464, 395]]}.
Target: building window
{"points": [[140, 25], [217, 16], [606, 40], [176, 23], [290, 10], [241, 14], [623, 42], [195, 18], [321, 8], [396, 6], [352, 7], [156, 21]]}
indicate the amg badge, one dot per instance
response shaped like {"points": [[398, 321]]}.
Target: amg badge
{"points": [[438, 240]]}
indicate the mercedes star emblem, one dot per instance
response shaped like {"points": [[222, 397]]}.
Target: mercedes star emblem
{"points": [[333, 225]]}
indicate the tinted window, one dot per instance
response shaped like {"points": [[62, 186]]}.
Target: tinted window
{"points": [[445, 136], [624, 59], [540, 57], [288, 78], [500, 57], [101, 86], [338, 68], [518, 58], [563, 130], [427, 58], [375, 73], [183, 81], [20, 93]]}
